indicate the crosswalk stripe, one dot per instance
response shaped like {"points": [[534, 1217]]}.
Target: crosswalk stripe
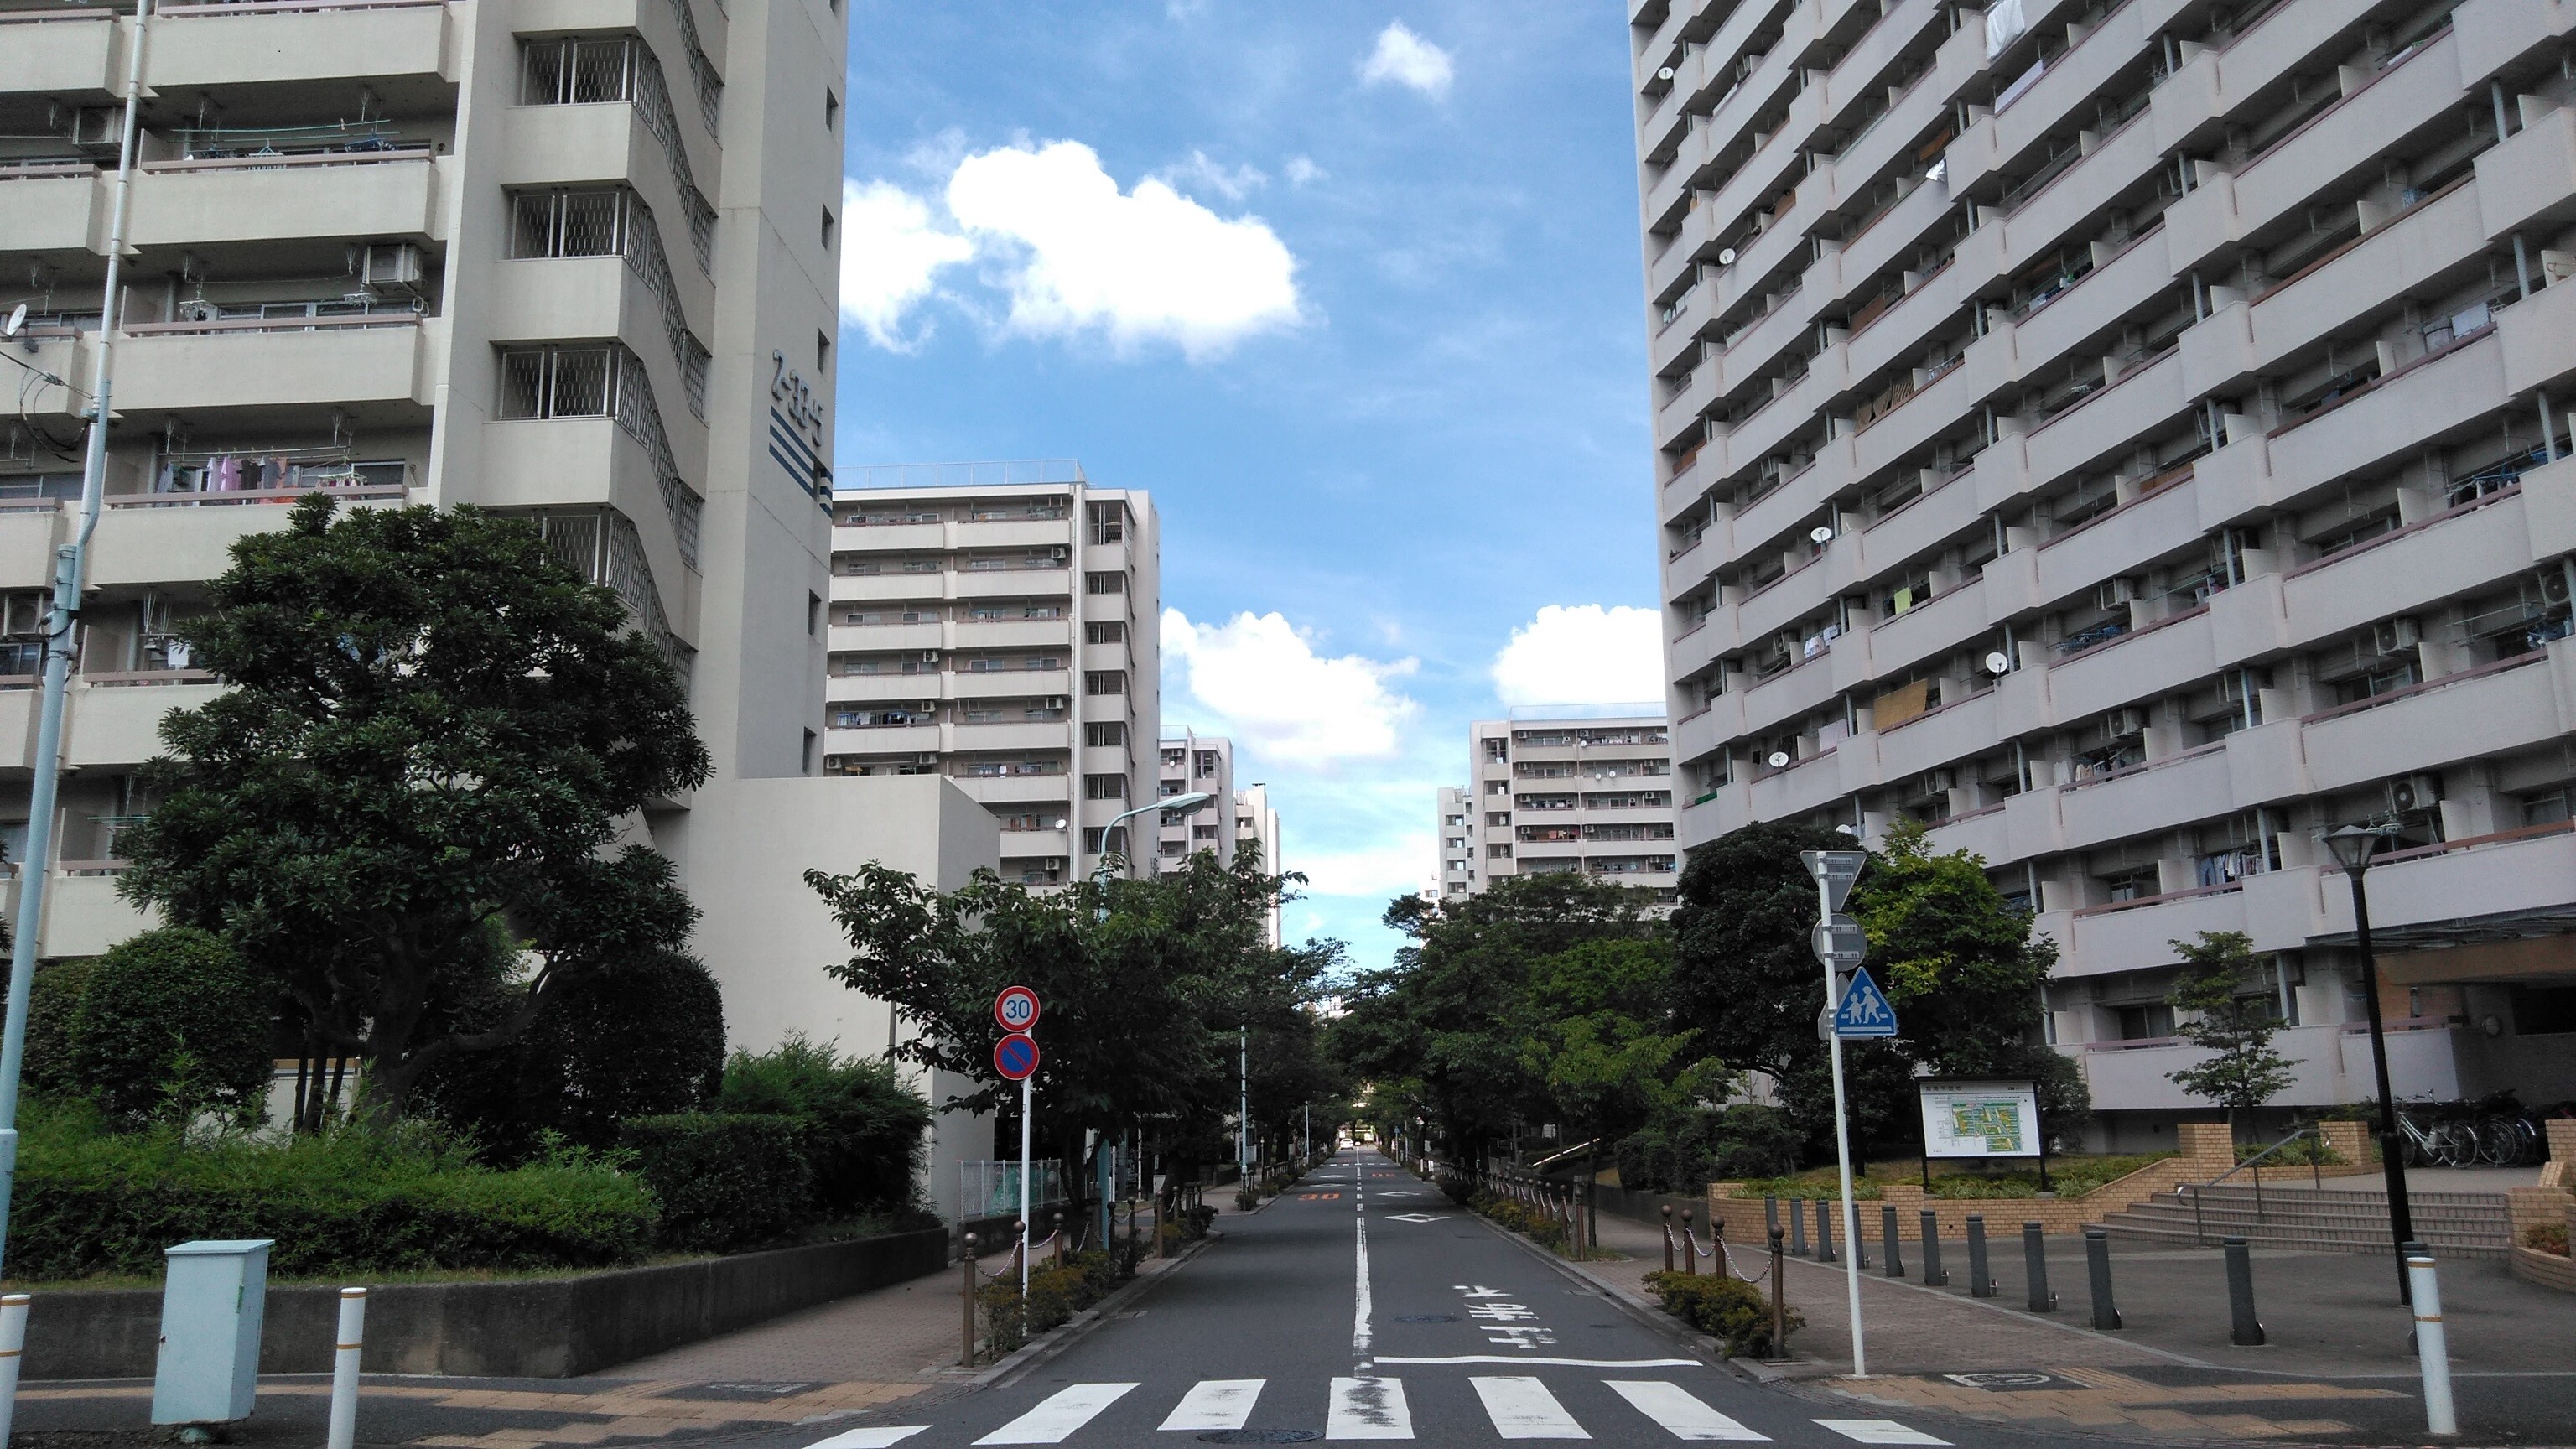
{"points": [[1879, 1431], [1677, 1409], [1215, 1404], [1062, 1413], [1370, 1408], [1522, 1408], [880, 1437]]}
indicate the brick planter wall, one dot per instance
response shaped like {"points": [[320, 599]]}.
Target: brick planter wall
{"points": [[2207, 1151]]}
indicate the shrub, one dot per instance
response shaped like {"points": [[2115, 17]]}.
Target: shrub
{"points": [[725, 1181], [863, 1125], [1686, 1151], [172, 1024], [1055, 1295], [52, 1004], [1724, 1308], [1810, 1187], [91, 1202], [2546, 1237]]}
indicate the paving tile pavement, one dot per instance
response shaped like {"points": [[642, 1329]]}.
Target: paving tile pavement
{"points": [[908, 1332]]}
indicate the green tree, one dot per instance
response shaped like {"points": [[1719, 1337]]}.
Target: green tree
{"points": [[433, 725], [2242, 1071], [1599, 1036], [171, 1024], [863, 1127]]}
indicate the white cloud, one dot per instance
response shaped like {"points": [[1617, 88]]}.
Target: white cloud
{"points": [[1233, 184], [1302, 169], [1267, 687], [1583, 654], [1380, 871], [891, 254], [1408, 60], [1144, 265]]}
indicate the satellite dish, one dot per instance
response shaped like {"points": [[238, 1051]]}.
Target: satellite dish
{"points": [[1665, 74], [1998, 663], [1726, 257], [1852, 831], [1059, 824], [1820, 535], [17, 322], [1779, 759]]}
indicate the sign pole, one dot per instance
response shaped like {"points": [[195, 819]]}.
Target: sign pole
{"points": [[1824, 868], [1028, 1095]]}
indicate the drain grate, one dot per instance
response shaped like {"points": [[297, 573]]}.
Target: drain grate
{"points": [[1259, 1436], [1428, 1318]]}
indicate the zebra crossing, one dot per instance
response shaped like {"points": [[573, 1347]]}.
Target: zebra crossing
{"points": [[1517, 1406]]}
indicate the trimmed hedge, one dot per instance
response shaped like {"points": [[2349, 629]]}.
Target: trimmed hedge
{"points": [[91, 1203], [1055, 1295], [726, 1181], [1723, 1308]]}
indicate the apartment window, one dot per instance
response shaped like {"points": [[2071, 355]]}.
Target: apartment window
{"points": [[807, 767], [813, 614], [1108, 735], [1497, 750], [1170, 788], [2147, 1022], [1207, 764], [1108, 583], [1202, 832], [1114, 632], [572, 223], [831, 109], [559, 382], [1108, 522], [1498, 852], [1104, 681], [576, 72], [1104, 787]]}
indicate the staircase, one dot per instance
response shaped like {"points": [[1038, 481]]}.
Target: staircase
{"points": [[2458, 1224]]}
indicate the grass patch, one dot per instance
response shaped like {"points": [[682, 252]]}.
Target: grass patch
{"points": [[2069, 1176]]}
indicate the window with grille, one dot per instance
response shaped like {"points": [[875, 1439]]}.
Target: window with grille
{"points": [[1104, 787], [590, 223], [573, 72], [559, 382], [1104, 583]]}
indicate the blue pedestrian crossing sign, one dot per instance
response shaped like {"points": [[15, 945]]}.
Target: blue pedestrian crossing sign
{"points": [[1863, 1011]]}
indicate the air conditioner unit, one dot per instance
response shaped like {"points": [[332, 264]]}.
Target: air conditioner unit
{"points": [[2129, 721], [1059, 551], [929, 656], [2411, 793], [1056, 701], [2112, 593], [2553, 586], [92, 128], [383, 266], [2394, 635], [23, 614], [1937, 782]]}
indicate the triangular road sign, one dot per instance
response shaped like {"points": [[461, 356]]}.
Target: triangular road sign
{"points": [[1863, 1011]]}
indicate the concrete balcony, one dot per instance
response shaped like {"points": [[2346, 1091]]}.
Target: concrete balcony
{"points": [[884, 740], [306, 364], [2134, 1076], [2074, 322], [2136, 935], [2073, 78], [2413, 568], [1035, 844], [1788, 696], [2539, 338], [1928, 629], [267, 41], [2499, 709], [2138, 665], [581, 299], [2119, 543], [1056, 634], [571, 462], [2405, 257], [1025, 735], [2493, 33], [1804, 786], [84, 916], [1785, 600], [1011, 533], [924, 590], [1895, 537], [1981, 833], [2508, 873], [2102, 425], [79, 58], [2404, 411], [2529, 176], [888, 687], [1959, 729], [2158, 796], [165, 538], [1010, 584], [888, 537], [1899, 331], [1691, 316], [119, 723], [1042, 791], [49, 208], [375, 195], [1010, 684], [2067, 207], [884, 638], [1698, 736]]}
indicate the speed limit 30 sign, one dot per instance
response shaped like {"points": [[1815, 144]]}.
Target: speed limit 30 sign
{"points": [[1016, 1008]]}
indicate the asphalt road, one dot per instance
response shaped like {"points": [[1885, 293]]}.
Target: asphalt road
{"points": [[1362, 1304]]}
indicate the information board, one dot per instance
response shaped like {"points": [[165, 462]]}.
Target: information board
{"points": [[1980, 1119]]}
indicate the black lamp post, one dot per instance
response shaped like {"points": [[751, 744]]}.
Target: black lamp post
{"points": [[2353, 848]]}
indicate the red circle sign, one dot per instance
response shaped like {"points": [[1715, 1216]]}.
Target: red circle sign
{"points": [[1015, 1057], [1016, 1008]]}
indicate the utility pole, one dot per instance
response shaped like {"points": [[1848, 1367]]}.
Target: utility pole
{"points": [[70, 566]]}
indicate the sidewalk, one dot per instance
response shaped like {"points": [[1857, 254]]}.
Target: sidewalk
{"points": [[2338, 1365]]}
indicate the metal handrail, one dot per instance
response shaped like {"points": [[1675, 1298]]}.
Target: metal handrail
{"points": [[2316, 1175]]}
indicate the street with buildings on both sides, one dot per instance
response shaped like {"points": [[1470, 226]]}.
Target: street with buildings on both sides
{"points": [[1361, 1303]]}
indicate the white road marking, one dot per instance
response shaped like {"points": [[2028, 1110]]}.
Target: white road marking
{"points": [[878, 1438], [1368, 1408], [1522, 1408], [1360, 1336], [1677, 1409], [1061, 1414], [1609, 1363], [1878, 1431], [1215, 1404]]}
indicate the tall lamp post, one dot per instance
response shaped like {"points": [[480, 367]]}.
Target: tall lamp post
{"points": [[2353, 847], [1192, 801]]}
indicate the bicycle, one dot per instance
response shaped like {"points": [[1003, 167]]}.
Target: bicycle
{"points": [[2447, 1142]]}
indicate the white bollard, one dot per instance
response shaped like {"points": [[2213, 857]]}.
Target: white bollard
{"points": [[344, 1368], [13, 1347], [2432, 1348]]}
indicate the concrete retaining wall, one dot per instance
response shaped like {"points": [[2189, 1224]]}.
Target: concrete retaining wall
{"points": [[524, 1328]]}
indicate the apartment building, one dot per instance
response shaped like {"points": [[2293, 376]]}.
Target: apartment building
{"points": [[996, 624], [1457, 853], [1194, 764], [2130, 437], [1564, 788]]}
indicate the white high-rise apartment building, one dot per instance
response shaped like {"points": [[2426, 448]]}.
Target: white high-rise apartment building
{"points": [[572, 262], [1563, 788], [2130, 437], [996, 624], [1193, 764]]}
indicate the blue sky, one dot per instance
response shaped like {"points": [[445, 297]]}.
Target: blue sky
{"points": [[1353, 291]]}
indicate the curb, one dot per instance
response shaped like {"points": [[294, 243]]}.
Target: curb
{"points": [[1064, 1335], [1662, 1325]]}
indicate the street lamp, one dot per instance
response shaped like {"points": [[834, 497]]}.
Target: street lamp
{"points": [[1192, 801], [2353, 847]]}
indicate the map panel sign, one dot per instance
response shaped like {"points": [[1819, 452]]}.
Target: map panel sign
{"points": [[1980, 1119]]}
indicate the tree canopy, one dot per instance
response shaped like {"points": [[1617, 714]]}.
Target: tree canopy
{"points": [[433, 725], [2243, 1070]]}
